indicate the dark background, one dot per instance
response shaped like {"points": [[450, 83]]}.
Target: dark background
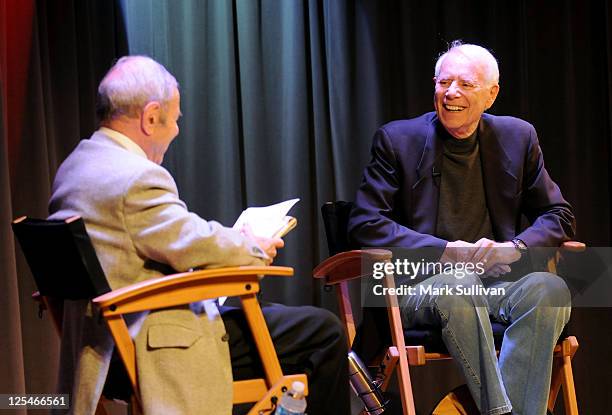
{"points": [[280, 100]]}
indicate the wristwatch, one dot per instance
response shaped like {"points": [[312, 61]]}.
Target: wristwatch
{"points": [[519, 245]]}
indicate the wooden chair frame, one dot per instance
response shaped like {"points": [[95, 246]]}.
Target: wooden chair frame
{"points": [[339, 269], [185, 288], [189, 287]]}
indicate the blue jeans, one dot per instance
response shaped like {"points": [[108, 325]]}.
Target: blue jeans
{"points": [[536, 307]]}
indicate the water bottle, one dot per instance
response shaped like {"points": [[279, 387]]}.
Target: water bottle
{"points": [[293, 401]]}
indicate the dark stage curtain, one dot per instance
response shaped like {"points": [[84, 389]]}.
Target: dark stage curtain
{"points": [[280, 100], [53, 55], [271, 110]]}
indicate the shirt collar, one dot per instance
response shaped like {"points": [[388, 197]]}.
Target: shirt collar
{"points": [[123, 140]]}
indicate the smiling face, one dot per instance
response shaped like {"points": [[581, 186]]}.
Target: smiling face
{"points": [[462, 93]]}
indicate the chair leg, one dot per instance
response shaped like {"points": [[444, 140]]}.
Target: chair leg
{"points": [[555, 382], [388, 365], [346, 312], [263, 340], [134, 406], [562, 375], [397, 336], [569, 390]]}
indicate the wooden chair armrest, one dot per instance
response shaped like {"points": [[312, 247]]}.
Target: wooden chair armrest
{"points": [[573, 246], [185, 288], [349, 265], [568, 246]]}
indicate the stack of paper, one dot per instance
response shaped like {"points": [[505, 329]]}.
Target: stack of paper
{"points": [[269, 221]]}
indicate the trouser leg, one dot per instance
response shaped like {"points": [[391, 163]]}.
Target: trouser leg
{"points": [[307, 340], [537, 307], [467, 334]]}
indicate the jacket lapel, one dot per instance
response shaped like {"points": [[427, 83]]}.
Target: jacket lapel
{"points": [[500, 184], [426, 189]]}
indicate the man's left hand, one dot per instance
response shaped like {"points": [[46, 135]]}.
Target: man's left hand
{"points": [[491, 253]]}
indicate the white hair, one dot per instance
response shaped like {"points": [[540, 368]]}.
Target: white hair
{"points": [[474, 53], [131, 84]]}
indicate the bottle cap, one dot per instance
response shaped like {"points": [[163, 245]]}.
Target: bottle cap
{"points": [[298, 389]]}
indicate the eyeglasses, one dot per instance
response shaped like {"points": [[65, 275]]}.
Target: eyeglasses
{"points": [[460, 83]]}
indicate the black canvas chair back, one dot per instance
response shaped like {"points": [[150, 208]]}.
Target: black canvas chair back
{"points": [[335, 218], [61, 257], [65, 267]]}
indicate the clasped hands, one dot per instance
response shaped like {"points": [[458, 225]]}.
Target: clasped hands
{"points": [[495, 257]]}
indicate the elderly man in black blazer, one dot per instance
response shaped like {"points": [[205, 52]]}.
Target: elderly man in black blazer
{"points": [[458, 181]]}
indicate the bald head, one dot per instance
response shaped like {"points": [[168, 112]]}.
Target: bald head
{"points": [[476, 54], [130, 84]]}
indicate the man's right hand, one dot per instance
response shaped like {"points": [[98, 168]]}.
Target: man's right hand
{"points": [[493, 255], [459, 251], [269, 245]]}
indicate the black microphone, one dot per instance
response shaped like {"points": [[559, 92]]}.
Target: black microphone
{"points": [[435, 174]]}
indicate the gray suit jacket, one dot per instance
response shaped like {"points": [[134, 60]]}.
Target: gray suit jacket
{"points": [[140, 230]]}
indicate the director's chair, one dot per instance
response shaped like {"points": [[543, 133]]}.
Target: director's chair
{"points": [[65, 266], [416, 347]]}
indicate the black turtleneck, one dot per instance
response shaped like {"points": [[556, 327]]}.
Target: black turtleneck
{"points": [[462, 207]]}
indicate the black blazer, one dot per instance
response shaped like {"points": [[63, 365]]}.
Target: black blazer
{"points": [[397, 202]]}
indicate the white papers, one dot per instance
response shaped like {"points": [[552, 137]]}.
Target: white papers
{"points": [[266, 221]]}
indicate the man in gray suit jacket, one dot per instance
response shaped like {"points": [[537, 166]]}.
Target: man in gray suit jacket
{"points": [[141, 229]]}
